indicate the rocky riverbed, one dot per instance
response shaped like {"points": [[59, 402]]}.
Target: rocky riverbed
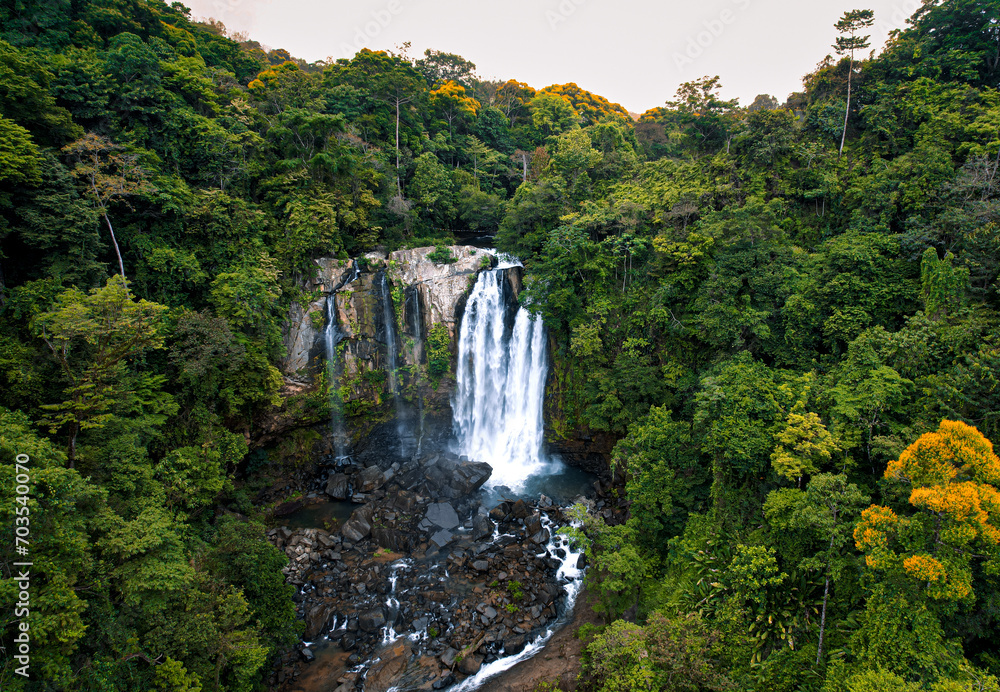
{"points": [[425, 582]]}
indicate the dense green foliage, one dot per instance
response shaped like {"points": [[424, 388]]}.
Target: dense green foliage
{"points": [[769, 325], [764, 322]]}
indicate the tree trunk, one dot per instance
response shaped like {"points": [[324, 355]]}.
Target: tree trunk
{"points": [[822, 620], [847, 111], [826, 596], [114, 241], [399, 189], [71, 445]]}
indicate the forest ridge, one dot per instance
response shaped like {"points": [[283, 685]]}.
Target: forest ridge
{"points": [[784, 317]]}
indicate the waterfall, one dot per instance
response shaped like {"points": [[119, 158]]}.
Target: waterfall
{"points": [[392, 364], [331, 337], [389, 320], [500, 383]]}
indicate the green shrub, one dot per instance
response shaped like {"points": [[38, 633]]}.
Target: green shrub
{"points": [[438, 350], [441, 255]]}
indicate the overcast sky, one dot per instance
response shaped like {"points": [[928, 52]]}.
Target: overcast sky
{"points": [[633, 52]]}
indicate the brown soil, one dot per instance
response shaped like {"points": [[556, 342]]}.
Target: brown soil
{"points": [[557, 664]]}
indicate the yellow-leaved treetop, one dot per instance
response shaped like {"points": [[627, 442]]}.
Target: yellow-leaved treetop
{"points": [[954, 474]]}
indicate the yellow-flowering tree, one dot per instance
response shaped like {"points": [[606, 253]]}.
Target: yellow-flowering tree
{"points": [[954, 474], [450, 100]]}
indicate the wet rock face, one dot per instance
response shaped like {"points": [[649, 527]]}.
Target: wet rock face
{"points": [[434, 292], [304, 325], [413, 588], [441, 287]]}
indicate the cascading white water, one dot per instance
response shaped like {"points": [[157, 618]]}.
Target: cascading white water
{"points": [[389, 320], [406, 441], [331, 337], [570, 577], [418, 340], [500, 383]]}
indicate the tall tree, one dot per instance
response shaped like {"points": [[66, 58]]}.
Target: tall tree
{"points": [[93, 336], [849, 41], [110, 174], [826, 509]]}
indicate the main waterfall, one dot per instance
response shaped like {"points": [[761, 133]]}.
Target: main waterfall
{"points": [[500, 383]]}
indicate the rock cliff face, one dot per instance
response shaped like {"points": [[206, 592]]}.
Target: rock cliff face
{"points": [[380, 301]]}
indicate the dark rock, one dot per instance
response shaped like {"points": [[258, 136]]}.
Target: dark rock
{"points": [[371, 621], [482, 527], [307, 655], [541, 538], [442, 515], [448, 657], [519, 510], [338, 486], [514, 645], [481, 565], [444, 682], [370, 480], [395, 540], [356, 529], [533, 523], [471, 664], [500, 512], [442, 538], [469, 476], [348, 641], [404, 501], [288, 507], [316, 620]]}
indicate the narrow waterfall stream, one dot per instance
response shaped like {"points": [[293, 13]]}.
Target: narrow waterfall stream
{"points": [[392, 365], [331, 337], [418, 340], [500, 383]]}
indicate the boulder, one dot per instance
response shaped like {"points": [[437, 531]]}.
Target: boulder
{"points": [[448, 657], [338, 486], [442, 538], [442, 515], [356, 528], [443, 682], [482, 527], [533, 524], [372, 621], [514, 644], [541, 537], [316, 620], [471, 664], [370, 480], [469, 476]]}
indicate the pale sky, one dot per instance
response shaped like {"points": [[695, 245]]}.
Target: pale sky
{"points": [[634, 52]]}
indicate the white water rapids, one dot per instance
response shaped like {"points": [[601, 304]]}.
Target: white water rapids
{"points": [[500, 383]]}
